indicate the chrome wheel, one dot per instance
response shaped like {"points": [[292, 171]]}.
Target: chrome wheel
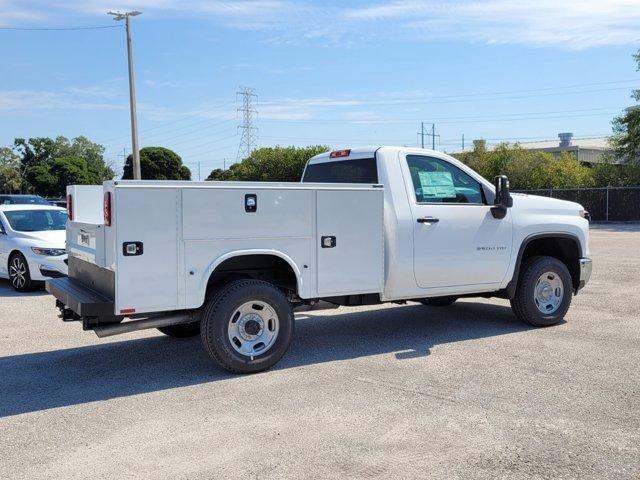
{"points": [[548, 292], [18, 272], [253, 328]]}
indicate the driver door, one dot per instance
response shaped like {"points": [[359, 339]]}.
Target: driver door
{"points": [[457, 241]]}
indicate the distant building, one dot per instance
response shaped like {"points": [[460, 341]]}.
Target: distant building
{"points": [[585, 150]]}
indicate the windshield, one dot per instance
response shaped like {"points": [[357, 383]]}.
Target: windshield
{"points": [[36, 220], [23, 200]]}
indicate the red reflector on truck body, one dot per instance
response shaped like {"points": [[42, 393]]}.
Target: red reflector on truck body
{"points": [[70, 207], [340, 153], [127, 311], [107, 209]]}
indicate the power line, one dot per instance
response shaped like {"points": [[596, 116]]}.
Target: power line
{"points": [[408, 121], [182, 142], [174, 122], [249, 132], [507, 95]]}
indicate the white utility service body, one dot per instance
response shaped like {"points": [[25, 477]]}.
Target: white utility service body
{"points": [[187, 229], [415, 224]]}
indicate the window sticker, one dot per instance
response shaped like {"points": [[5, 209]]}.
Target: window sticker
{"points": [[436, 185]]}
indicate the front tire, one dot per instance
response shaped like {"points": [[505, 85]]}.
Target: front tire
{"points": [[544, 292], [19, 274], [247, 326]]}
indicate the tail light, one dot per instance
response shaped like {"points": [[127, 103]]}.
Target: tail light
{"points": [[340, 153], [107, 209], [70, 207]]}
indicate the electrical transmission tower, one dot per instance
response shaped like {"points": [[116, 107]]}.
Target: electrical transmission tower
{"points": [[249, 133]]}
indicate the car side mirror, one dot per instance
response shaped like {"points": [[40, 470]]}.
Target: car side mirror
{"points": [[503, 197]]}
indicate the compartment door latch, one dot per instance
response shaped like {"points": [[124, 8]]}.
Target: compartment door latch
{"points": [[132, 249], [328, 242]]}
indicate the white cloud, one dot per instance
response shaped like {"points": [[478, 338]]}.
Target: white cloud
{"points": [[24, 100], [558, 23], [570, 23]]}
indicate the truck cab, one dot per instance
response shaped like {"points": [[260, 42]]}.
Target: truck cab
{"points": [[231, 260], [442, 222]]}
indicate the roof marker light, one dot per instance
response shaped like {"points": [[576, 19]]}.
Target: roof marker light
{"points": [[340, 153]]}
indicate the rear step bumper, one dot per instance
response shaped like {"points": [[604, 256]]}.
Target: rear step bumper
{"points": [[77, 302], [83, 301]]}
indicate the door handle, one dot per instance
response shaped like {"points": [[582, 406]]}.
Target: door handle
{"points": [[428, 220]]}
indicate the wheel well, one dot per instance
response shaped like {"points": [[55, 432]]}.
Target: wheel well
{"points": [[269, 268], [12, 254], [565, 249]]}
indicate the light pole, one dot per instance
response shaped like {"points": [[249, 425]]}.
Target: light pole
{"points": [[132, 92]]}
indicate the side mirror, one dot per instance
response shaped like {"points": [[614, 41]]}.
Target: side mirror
{"points": [[503, 197]]}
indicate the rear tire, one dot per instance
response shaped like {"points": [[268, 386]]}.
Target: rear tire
{"points": [[439, 301], [544, 292], [184, 330], [247, 326], [19, 274]]}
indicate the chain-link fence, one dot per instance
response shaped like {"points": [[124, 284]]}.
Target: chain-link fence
{"points": [[606, 204]]}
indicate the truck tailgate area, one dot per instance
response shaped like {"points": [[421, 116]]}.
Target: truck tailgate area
{"points": [[82, 300]]}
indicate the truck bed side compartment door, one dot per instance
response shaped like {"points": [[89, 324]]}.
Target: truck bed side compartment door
{"points": [[147, 218], [350, 242]]}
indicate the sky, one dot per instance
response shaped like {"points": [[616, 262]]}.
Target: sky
{"points": [[341, 74]]}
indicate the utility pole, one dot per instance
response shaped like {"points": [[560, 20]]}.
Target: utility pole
{"points": [[432, 135], [463, 142], [249, 132], [198, 170], [117, 16]]}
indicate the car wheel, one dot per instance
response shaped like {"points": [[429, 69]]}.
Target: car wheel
{"points": [[439, 301], [544, 291], [19, 273], [247, 326], [184, 330]]}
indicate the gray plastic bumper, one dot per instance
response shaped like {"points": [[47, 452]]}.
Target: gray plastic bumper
{"points": [[586, 266]]}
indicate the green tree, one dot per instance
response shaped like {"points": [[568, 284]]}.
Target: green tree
{"points": [[10, 178], [8, 158], [528, 169], [50, 179], [626, 128], [37, 157], [158, 163], [613, 174], [270, 164], [92, 153]]}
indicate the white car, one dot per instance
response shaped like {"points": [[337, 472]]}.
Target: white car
{"points": [[32, 244]]}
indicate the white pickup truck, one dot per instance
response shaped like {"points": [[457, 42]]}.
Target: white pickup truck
{"points": [[231, 260]]}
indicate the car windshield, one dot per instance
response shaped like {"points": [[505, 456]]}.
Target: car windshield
{"points": [[36, 220], [23, 200]]}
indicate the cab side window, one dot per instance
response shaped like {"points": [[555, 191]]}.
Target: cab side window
{"points": [[438, 181]]}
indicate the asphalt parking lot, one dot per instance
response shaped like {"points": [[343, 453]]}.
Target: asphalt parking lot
{"points": [[394, 392]]}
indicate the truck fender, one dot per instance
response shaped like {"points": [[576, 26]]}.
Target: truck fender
{"points": [[254, 251], [513, 283]]}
